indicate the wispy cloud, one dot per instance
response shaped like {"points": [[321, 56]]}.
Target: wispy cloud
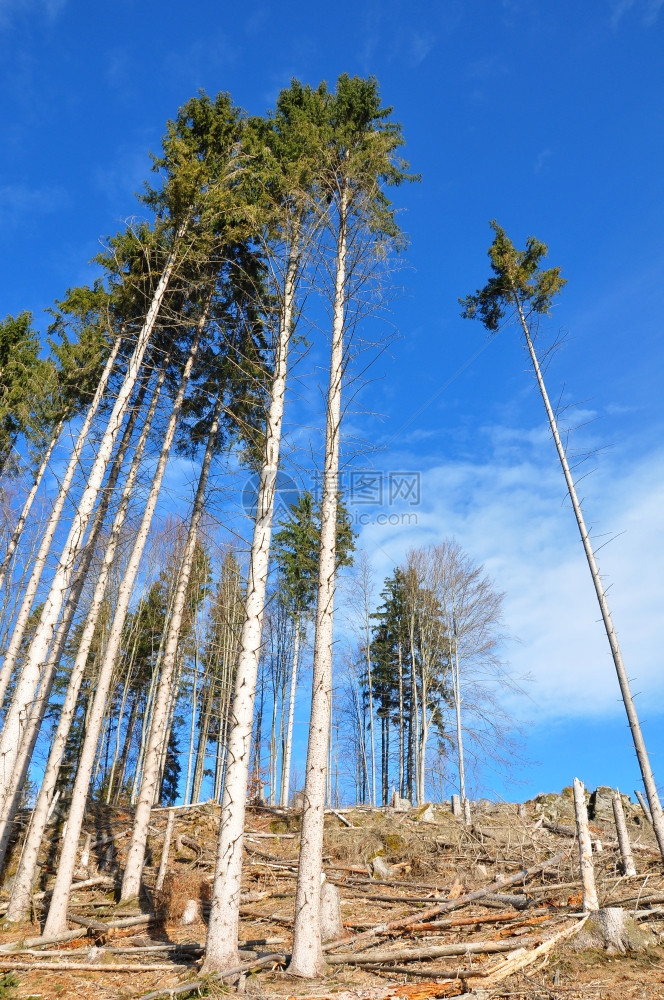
{"points": [[648, 10], [19, 201], [10, 9], [541, 160]]}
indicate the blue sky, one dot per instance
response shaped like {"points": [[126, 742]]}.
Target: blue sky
{"points": [[547, 116]]}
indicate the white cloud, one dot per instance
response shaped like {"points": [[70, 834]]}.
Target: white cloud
{"points": [[511, 513]]}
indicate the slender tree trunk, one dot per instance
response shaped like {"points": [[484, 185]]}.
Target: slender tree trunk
{"points": [[221, 949], [20, 898], [20, 524], [424, 737], [307, 956], [159, 729], [623, 680], [118, 734], [401, 724], [16, 716], [623, 836], [126, 747], [457, 710], [23, 615], [257, 788], [286, 762], [40, 704], [192, 731], [56, 919], [372, 741], [203, 737], [413, 731]]}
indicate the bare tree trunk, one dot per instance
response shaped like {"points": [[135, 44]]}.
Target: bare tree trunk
{"points": [[126, 747], [307, 957], [192, 731], [203, 737], [118, 733], [25, 689], [286, 762], [163, 864], [40, 560], [38, 710], [623, 836], [413, 730], [159, 729], [20, 524], [57, 914], [21, 891], [585, 848], [402, 793], [623, 680], [457, 711], [221, 946]]}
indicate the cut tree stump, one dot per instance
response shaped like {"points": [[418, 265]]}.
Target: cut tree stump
{"points": [[612, 929]]}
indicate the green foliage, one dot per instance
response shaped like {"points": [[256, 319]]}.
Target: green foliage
{"points": [[296, 552], [519, 281], [9, 982], [24, 383], [81, 324]]}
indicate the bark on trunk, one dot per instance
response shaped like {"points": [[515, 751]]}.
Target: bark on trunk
{"points": [[307, 958], [25, 689], [20, 524], [623, 836], [57, 913], [38, 710], [286, 763], [23, 615], [221, 945], [163, 864], [20, 897], [159, 729], [623, 680], [585, 848], [203, 737]]}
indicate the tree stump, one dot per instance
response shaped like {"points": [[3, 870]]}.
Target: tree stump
{"points": [[614, 931], [331, 926]]}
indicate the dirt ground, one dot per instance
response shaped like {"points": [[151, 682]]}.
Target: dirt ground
{"points": [[387, 866]]}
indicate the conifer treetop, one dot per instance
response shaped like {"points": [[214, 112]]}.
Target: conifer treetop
{"points": [[519, 279]]}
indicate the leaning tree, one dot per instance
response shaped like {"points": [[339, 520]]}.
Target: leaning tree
{"points": [[521, 288]]}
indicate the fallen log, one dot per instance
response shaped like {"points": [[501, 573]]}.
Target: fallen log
{"points": [[91, 925], [90, 967], [560, 828], [346, 822], [194, 986], [435, 951], [42, 942]]}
